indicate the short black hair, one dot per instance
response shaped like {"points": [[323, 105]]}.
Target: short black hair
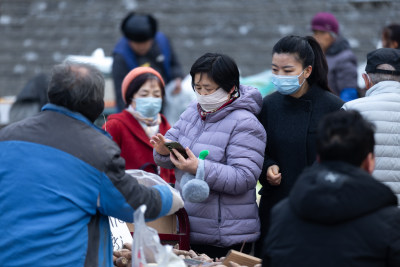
{"points": [[78, 87], [345, 136], [219, 67]]}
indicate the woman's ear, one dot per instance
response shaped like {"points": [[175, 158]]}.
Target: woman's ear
{"points": [[307, 71], [232, 90]]}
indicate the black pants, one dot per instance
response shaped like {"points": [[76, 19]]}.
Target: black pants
{"points": [[218, 252]]}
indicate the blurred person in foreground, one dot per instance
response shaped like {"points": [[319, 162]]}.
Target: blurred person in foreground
{"points": [[143, 93], [391, 36], [61, 177], [381, 105], [337, 214], [342, 63], [142, 45], [222, 120]]}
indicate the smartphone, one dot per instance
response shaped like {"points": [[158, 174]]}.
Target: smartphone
{"points": [[177, 146]]}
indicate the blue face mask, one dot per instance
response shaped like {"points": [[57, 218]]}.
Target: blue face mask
{"points": [[287, 85], [148, 107]]}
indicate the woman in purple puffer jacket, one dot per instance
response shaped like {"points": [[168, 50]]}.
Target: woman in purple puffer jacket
{"points": [[223, 121]]}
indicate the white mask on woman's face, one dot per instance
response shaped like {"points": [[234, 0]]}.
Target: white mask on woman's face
{"points": [[212, 101]]}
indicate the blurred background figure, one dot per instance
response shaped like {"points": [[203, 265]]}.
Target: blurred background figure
{"points": [[143, 45], [342, 63], [391, 36], [143, 93], [31, 99]]}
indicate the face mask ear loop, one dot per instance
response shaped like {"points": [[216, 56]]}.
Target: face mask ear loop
{"points": [[304, 78]]}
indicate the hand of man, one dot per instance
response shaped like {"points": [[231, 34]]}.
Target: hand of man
{"points": [[177, 202]]}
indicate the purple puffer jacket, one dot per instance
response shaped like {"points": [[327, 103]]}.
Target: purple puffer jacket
{"points": [[236, 142]]}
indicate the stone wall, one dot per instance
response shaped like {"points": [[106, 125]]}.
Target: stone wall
{"points": [[36, 34]]}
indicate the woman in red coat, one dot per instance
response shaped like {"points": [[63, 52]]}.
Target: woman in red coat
{"points": [[142, 92]]}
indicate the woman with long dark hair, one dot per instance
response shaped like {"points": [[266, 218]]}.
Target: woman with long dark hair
{"points": [[290, 117]]}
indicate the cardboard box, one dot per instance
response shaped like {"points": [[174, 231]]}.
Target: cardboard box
{"points": [[241, 258], [163, 225]]}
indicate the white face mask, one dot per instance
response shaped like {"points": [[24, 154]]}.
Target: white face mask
{"points": [[212, 101]]}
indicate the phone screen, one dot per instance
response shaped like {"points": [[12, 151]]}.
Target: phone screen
{"points": [[177, 146]]}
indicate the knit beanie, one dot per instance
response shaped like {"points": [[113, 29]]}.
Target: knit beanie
{"points": [[326, 22], [139, 27], [135, 73]]}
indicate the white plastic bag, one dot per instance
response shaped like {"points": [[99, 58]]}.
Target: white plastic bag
{"points": [[149, 179], [175, 104], [147, 249]]}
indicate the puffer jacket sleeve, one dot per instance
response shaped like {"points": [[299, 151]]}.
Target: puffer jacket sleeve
{"points": [[245, 155], [121, 194]]}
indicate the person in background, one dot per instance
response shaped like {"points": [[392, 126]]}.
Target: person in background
{"points": [[143, 93], [342, 63], [31, 99], [61, 177], [391, 36], [290, 117], [223, 121], [337, 214], [381, 105], [143, 45]]}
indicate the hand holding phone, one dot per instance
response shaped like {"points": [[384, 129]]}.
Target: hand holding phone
{"points": [[178, 147]]}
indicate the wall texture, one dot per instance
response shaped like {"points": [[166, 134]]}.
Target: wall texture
{"points": [[36, 34]]}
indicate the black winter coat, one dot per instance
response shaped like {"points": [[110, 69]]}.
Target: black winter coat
{"points": [[291, 125], [336, 215]]}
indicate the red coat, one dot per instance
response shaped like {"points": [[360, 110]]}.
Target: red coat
{"points": [[135, 145]]}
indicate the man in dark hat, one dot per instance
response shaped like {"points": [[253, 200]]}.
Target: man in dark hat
{"points": [[142, 45], [342, 63], [381, 105]]}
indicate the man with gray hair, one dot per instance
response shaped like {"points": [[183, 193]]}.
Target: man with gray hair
{"points": [[61, 177], [381, 105]]}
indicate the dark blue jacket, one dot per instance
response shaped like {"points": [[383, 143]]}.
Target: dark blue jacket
{"points": [[336, 215], [61, 177], [160, 57]]}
